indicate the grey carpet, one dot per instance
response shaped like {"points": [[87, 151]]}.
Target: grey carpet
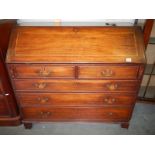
{"points": [[142, 122]]}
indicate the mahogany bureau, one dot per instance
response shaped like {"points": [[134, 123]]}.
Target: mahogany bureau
{"points": [[76, 73]]}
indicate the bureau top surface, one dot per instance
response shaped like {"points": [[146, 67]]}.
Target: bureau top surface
{"points": [[76, 45]]}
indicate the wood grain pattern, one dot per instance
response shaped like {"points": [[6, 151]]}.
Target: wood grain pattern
{"points": [[75, 44], [108, 72], [76, 85], [41, 71], [75, 99], [71, 114]]}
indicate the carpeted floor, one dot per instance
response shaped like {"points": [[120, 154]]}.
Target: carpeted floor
{"points": [[142, 122]]}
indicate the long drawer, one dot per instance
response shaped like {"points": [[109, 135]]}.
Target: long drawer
{"points": [[77, 113], [76, 85], [108, 71], [41, 71], [76, 99]]}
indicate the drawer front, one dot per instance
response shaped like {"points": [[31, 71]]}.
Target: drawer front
{"points": [[66, 114], [76, 85], [4, 110], [109, 72], [75, 99], [41, 71]]}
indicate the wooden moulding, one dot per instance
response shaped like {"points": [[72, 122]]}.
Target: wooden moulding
{"points": [[10, 121]]}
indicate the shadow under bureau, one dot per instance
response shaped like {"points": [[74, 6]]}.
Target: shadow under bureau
{"points": [[76, 73]]}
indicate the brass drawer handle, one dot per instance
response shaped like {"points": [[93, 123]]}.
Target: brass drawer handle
{"points": [[75, 29], [44, 72], [109, 100], [45, 114], [13, 72], [107, 73], [110, 114], [40, 85], [43, 100], [112, 86], [107, 114]]}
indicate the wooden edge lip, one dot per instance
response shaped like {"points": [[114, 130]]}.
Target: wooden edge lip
{"points": [[9, 61], [12, 121], [61, 27], [75, 63], [11, 43]]}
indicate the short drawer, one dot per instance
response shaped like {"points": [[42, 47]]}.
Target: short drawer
{"points": [[80, 113], [76, 99], [108, 71], [4, 110], [41, 71], [76, 85]]}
